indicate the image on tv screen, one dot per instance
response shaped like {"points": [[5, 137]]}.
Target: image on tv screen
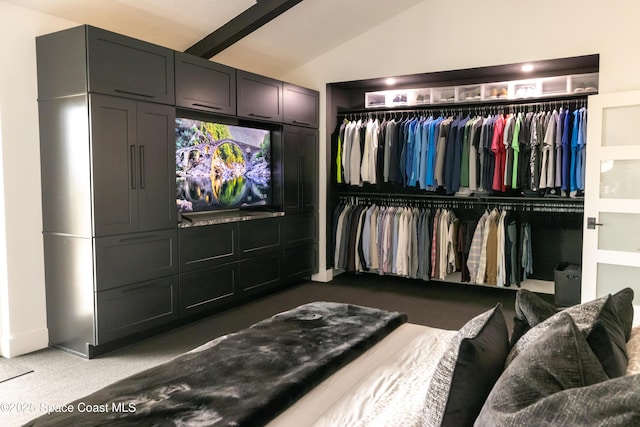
{"points": [[221, 166]]}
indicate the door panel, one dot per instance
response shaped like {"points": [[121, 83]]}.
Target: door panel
{"points": [[611, 250], [114, 165], [156, 166]]}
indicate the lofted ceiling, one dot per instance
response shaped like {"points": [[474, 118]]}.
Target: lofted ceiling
{"points": [[302, 33]]}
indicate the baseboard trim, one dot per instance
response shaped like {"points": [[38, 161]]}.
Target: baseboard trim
{"points": [[323, 276], [28, 342]]}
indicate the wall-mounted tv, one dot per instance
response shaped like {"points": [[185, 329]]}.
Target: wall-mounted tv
{"points": [[220, 166]]}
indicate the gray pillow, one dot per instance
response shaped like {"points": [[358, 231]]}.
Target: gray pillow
{"points": [[599, 322], [531, 310], [558, 360], [468, 370]]}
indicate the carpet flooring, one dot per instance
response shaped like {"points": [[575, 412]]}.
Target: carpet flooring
{"points": [[59, 377]]}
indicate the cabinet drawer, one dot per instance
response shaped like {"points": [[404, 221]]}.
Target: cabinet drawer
{"points": [[130, 309], [260, 272], [299, 229], [299, 262], [259, 97], [206, 289], [132, 258], [205, 85], [300, 106], [123, 66], [259, 236], [208, 246]]}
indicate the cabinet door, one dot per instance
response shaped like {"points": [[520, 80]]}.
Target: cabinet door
{"points": [[260, 273], [300, 169], [299, 229], [299, 262], [301, 106], [308, 160], [291, 185], [114, 165], [207, 289], [123, 66], [120, 260], [131, 309], [205, 85], [207, 246], [259, 97], [156, 166], [259, 236]]}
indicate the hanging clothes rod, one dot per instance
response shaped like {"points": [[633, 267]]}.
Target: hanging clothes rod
{"points": [[534, 204], [489, 105]]}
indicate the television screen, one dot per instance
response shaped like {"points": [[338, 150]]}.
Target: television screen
{"points": [[221, 166]]}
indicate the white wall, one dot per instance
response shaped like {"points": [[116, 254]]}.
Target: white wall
{"points": [[463, 34], [23, 326]]}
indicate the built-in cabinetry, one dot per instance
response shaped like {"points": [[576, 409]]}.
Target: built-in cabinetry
{"points": [[259, 97], [301, 106], [205, 85], [117, 264], [108, 183]]}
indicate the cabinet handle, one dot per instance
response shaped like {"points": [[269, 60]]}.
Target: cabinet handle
{"points": [[149, 237], [259, 116], [134, 93], [132, 160], [298, 122], [142, 172], [213, 107]]}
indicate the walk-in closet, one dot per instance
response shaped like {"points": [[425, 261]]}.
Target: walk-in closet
{"points": [[470, 176]]}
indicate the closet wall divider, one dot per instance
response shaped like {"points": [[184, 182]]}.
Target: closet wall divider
{"points": [[427, 222]]}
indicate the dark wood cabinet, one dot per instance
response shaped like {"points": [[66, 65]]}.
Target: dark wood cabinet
{"points": [[259, 97], [205, 85], [88, 59], [209, 288], [300, 169], [259, 236], [300, 229], [123, 66], [260, 273], [132, 258], [116, 264], [207, 246], [133, 165], [130, 309], [301, 106], [300, 262]]}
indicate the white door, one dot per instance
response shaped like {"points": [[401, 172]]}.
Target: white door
{"points": [[611, 247]]}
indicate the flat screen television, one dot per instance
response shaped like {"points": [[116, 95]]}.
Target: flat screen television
{"points": [[221, 167]]}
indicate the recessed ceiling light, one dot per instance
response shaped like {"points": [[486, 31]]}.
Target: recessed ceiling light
{"points": [[390, 81], [527, 68]]}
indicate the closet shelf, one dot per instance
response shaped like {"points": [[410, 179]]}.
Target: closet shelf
{"points": [[486, 93]]}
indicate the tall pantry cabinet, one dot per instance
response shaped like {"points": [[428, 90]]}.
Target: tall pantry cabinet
{"points": [[106, 128]]}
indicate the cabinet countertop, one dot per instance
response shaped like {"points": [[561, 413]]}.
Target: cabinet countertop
{"points": [[225, 217]]}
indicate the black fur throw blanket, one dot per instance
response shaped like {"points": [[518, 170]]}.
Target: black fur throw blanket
{"points": [[241, 379]]}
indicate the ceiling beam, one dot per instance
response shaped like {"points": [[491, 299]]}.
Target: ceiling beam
{"points": [[240, 26]]}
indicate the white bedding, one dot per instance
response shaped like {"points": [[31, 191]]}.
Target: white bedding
{"points": [[386, 386]]}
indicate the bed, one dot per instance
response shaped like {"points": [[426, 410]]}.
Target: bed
{"points": [[333, 364]]}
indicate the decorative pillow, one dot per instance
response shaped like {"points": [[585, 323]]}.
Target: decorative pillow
{"points": [[623, 301], [599, 322], [532, 310], [558, 360], [468, 370], [633, 351]]}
